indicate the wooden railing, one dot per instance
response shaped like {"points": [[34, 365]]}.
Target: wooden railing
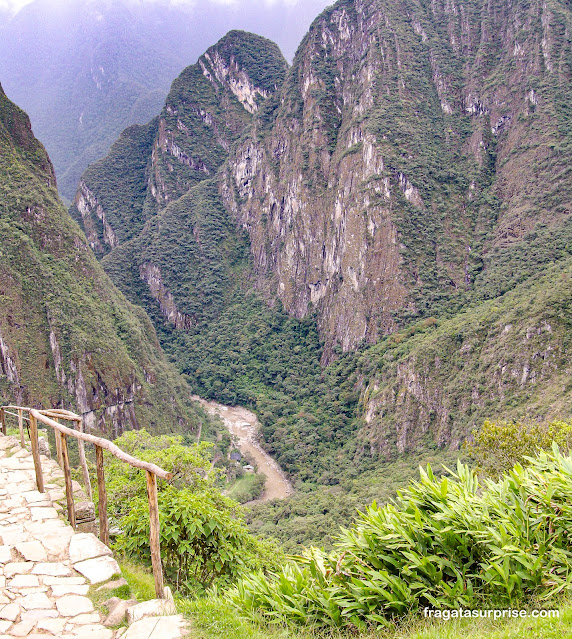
{"points": [[51, 418]]}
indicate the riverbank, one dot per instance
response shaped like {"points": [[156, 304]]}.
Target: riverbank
{"points": [[244, 426]]}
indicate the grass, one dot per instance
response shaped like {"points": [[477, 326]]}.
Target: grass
{"points": [[99, 596], [140, 586], [249, 486], [214, 618], [140, 580]]}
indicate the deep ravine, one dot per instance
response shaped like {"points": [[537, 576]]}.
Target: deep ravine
{"points": [[244, 426]]}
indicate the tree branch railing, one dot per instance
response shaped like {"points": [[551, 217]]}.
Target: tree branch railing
{"points": [[52, 419]]}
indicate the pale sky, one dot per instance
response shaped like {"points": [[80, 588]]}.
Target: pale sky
{"points": [[15, 5]]}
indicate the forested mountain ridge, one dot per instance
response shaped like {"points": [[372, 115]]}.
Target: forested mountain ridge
{"points": [[207, 109], [67, 335], [407, 186], [413, 146]]}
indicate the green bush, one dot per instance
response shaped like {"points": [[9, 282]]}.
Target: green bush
{"points": [[203, 539], [498, 446], [190, 466], [446, 543]]}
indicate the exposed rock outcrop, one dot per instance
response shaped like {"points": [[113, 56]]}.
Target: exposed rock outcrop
{"points": [[67, 335], [89, 208], [151, 274]]}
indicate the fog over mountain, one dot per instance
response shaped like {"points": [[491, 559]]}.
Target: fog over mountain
{"points": [[360, 260], [86, 69]]}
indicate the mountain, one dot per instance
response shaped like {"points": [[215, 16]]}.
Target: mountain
{"points": [[86, 69], [207, 109], [67, 335], [412, 152], [382, 258]]}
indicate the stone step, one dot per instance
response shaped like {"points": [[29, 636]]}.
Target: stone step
{"points": [[46, 568]]}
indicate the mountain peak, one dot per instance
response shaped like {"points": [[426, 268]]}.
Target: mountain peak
{"points": [[250, 65]]}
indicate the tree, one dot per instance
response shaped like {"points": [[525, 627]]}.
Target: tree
{"points": [[498, 446]]}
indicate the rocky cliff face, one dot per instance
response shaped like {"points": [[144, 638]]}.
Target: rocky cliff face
{"points": [[207, 110], [67, 336], [408, 141], [412, 164]]}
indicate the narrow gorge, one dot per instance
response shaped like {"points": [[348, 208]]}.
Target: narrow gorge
{"points": [[371, 190]]}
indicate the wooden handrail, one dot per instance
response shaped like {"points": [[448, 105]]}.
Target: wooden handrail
{"points": [[7, 412], [49, 418], [103, 443]]}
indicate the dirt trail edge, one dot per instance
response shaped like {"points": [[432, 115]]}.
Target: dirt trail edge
{"points": [[244, 426]]}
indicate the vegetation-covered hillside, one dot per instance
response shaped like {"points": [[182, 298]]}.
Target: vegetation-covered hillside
{"points": [[397, 208], [448, 554], [86, 69], [67, 335]]}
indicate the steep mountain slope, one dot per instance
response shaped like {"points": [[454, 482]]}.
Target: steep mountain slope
{"points": [[208, 108], [504, 358], [86, 69], [411, 171], [189, 266], [412, 144], [67, 335]]}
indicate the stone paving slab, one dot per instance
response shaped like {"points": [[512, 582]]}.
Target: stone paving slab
{"points": [[42, 594], [172, 627]]}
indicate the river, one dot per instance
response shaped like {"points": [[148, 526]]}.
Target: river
{"points": [[245, 427]]}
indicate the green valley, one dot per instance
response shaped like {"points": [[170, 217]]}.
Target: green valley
{"points": [[394, 341], [371, 250]]}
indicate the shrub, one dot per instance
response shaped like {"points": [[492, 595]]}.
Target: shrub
{"points": [[446, 542], [190, 465], [498, 446], [203, 539]]}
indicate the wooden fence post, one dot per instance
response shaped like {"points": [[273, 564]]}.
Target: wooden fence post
{"points": [[103, 525], [59, 447], [21, 427], [68, 480], [154, 533], [2, 421], [83, 462], [36, 453]]}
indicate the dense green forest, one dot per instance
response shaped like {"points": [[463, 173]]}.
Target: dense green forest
{"points": [[482, 326]]}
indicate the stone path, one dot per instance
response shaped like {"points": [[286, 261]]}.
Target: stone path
{"points": [[46, 567]]}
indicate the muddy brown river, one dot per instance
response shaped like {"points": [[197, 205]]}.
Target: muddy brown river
{"points": [[244, 426]]}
